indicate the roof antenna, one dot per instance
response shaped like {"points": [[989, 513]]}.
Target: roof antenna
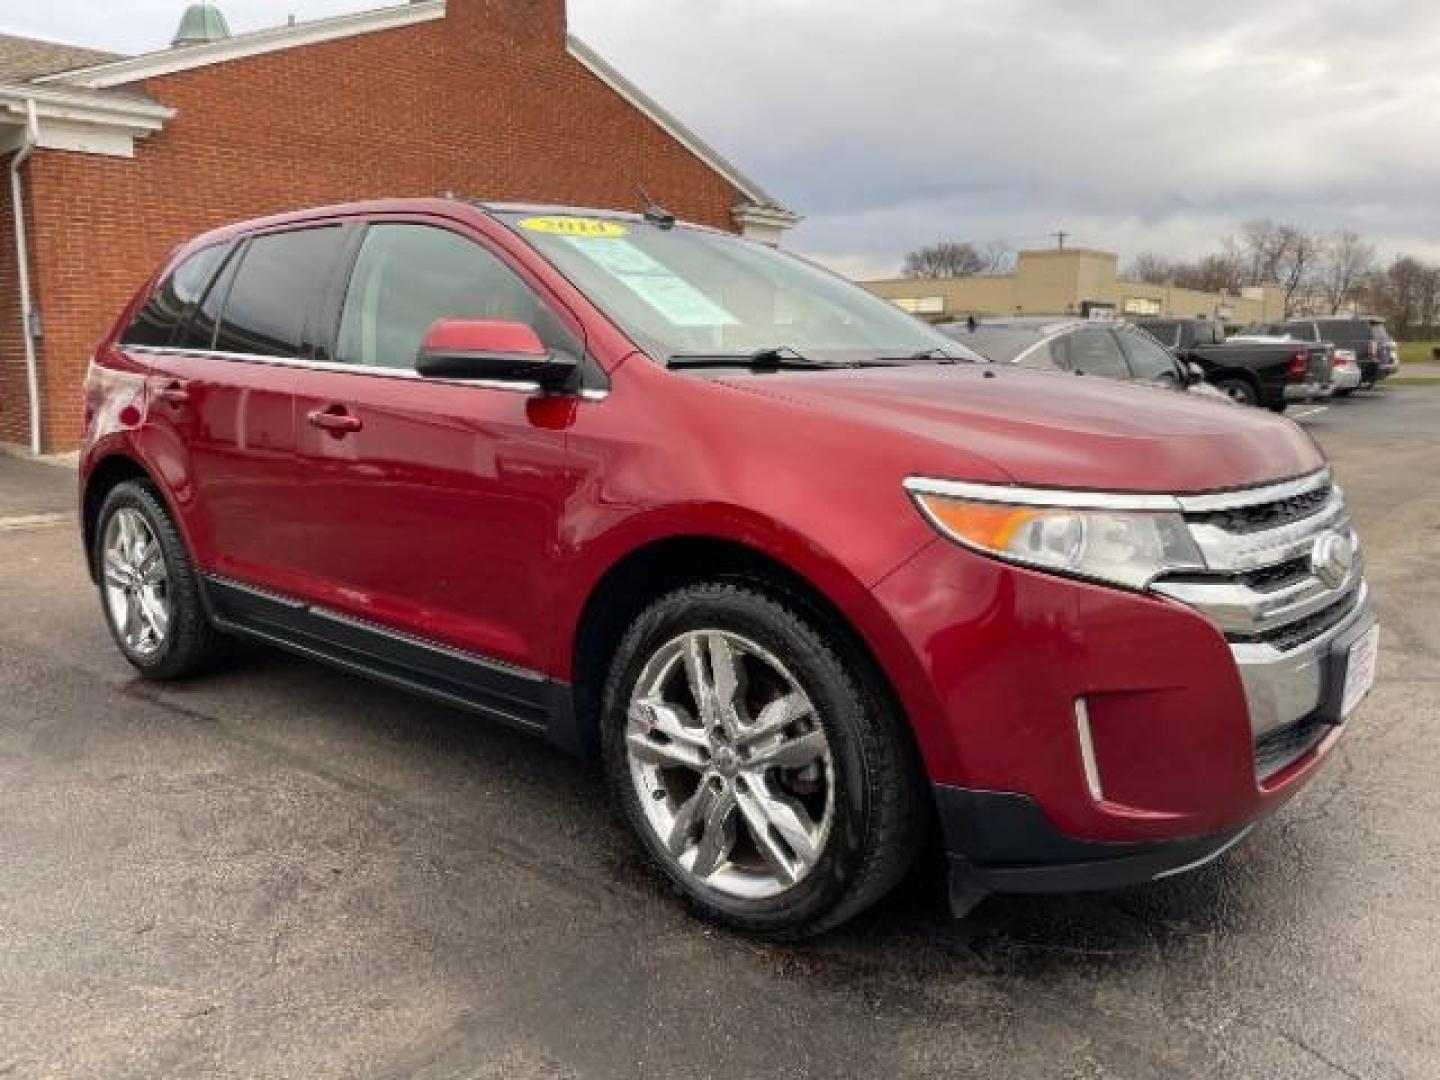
{"points": [[655, 214]]}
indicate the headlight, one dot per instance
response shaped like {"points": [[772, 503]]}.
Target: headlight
{"points": [[1125, 540]]}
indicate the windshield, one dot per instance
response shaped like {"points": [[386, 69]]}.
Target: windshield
{"points": [[684, 292]]}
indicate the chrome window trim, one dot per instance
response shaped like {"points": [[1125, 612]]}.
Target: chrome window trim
{"points": [[1014, 495], [530, 389], [1255, 496]]}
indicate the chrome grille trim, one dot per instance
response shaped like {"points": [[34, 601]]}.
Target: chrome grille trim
{"points": [[1230, 552], [1237, 608], [1247, 497]]}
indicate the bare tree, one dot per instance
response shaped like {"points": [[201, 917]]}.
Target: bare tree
{"points": [[949, 258], [1283, 255], [999, 257], [1347, 261], [1217, 272], [1151, 269]]}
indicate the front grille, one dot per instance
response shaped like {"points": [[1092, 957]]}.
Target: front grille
{"points": [[1275, 578], [1278, 749], [1292, 635], [1244, 520]]}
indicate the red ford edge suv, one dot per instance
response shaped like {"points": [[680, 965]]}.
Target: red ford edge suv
{"points": [[803, 572]]}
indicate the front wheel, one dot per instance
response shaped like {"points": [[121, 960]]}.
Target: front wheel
{"points": [[764, 774]]}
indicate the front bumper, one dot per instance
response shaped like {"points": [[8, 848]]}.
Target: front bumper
{"points": [[1144, 731]]}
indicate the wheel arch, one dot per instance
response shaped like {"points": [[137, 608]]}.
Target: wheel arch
{"points": [[103, 476], [843, 606]]}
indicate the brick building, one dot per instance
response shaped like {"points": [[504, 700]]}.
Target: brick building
{"points": [[119, 158]]}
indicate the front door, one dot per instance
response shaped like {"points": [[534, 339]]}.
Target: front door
{"points": [[431, 507]]}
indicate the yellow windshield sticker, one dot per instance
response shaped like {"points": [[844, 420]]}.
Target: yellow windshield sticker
{"points": [[575, 226]]}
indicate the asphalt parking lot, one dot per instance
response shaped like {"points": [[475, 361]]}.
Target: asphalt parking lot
{"points": [[284, 871]]}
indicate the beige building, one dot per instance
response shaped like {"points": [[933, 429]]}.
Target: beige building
{"points": [[1071, 282]]}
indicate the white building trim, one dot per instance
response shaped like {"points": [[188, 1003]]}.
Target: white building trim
{"points": [[79, 120], [186, 57]]}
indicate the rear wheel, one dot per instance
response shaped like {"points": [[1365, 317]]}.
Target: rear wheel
{"points": [[763, 774], [1240, 391], [149, 588]]}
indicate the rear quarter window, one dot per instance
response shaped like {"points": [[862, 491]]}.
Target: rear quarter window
{"points": [[173, 299]]}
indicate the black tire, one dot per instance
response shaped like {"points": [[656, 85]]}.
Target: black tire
{"points": [[879, 809], [192, 642], [1278, 406], [1346, 392], [1241, 391]]}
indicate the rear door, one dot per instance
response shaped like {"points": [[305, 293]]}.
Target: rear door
{"points": [[432, 507], [222, 393]]}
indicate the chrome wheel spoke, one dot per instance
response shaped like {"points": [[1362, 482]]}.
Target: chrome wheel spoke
{"points": [[666, 753], [788, 819], [117, 572], [150, 570], [775, 717], [157, 618], [774, 853], [690, 814], [718, 837], [791, 753]]}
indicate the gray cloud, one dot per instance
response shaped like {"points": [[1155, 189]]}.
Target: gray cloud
{"points": [[1130, 124]]}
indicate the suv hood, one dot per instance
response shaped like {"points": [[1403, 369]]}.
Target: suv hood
{"points": [[1054, 429]]}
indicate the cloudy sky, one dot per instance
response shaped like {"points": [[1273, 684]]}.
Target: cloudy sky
{"points": [[1132, 124]]}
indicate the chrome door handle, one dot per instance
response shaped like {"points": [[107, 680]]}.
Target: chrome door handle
{"points": [[334, 420]]}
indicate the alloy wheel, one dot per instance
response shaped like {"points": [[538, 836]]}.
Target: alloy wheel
{"points": [[731, 765], [136, 583]]}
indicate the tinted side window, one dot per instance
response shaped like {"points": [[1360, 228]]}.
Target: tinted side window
{"points": [[1148, 359], [1300, 331], [198, 332], [1345, 331], [409, 276], [1093, 351], [281, 281], [173, 298]]}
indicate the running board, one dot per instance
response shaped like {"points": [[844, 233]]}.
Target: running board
{"points": [[523, 699]]}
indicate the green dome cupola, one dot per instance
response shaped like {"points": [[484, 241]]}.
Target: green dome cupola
{"points": [[201, 24]]}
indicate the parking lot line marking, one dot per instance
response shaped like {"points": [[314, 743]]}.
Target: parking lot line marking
{"points": [[1311, 412], [34, 521]]}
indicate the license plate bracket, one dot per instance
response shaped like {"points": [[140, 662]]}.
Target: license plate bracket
{"points": [[1350, 671]]}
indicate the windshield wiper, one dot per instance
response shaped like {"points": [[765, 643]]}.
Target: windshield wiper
{"points": [[771, 359], [937, 354]]}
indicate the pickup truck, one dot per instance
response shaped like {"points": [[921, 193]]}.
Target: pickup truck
{"points": [[1271, 375]]}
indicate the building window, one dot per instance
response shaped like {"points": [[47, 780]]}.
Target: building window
{"points": [[921, 305], [1142, 305]]}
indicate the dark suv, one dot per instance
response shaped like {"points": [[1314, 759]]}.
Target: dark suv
{"points": [[1365, 336], [804, 577]]}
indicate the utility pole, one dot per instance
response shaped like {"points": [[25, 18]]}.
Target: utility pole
{"points": [[1060, 238]]}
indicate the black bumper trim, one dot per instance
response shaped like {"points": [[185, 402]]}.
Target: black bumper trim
{"points": [[1001, 842]]}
